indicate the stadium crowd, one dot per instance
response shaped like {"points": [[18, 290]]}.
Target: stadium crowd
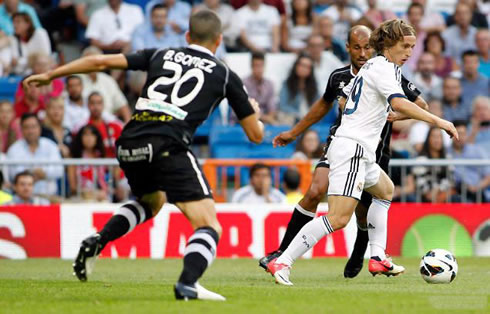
{"points": [[82, 116]]}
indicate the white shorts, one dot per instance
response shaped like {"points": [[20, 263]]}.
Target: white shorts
{"points": [[351, 170]]}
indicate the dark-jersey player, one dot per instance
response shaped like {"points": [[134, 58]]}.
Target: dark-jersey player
{"points": [[183, 86], [359, 51]]}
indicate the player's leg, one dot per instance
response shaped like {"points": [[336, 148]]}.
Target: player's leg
{"points": [[377, 219], [124, 220], [356, 260], [200, 250], [303, 212]]}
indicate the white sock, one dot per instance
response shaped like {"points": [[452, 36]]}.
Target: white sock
{"points": [[306, 238], [377, 219]]}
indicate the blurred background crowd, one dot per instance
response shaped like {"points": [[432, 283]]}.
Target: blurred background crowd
{"points": [[284, 51]]}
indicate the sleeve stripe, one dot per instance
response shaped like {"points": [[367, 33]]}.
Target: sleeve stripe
{"points": [[395, 96]]}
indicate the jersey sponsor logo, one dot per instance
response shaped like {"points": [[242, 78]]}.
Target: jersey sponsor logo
{"points": [[160, 106], [188, 60]]}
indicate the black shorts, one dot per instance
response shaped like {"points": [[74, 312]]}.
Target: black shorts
{"points": [[157, 163], [366, 198]]}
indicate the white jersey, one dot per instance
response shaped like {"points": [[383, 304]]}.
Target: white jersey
{"points": [[368, 102]]}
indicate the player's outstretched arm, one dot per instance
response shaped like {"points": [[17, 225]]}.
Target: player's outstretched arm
{"points": [[397, 116], [317, 111], [82, 65], [413, 111]]}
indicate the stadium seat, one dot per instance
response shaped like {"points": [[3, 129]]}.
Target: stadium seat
{"points": [[8, 86]]}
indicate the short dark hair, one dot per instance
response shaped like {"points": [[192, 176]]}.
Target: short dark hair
{"points": [[292, 179], [258, 56], [92, 94], [159, 6], [25, 173], [204, 26], [256, 167], [73, 77], [460, 123], [415, 5], [29, 115], [470, 53]]}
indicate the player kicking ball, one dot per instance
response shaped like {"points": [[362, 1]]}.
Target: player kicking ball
{"points": [[183, 86], [360, 52], [352, 156]]}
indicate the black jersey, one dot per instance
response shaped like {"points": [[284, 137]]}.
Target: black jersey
{"points": [[341, 78], [183, 87]]}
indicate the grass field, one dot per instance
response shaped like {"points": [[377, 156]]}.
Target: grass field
{"points": [[145, 286]]}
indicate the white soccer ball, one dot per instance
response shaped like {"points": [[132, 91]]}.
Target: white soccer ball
{"points": [[438, 266]]}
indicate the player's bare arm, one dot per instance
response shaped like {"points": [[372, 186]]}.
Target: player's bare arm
{"points": [[83, 65], [397, 116], [413, 111], [317, 111]]}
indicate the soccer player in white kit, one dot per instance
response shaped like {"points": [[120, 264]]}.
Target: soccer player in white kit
{"points": [[352, 154]]}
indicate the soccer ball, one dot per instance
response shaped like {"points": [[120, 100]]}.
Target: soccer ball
{"points": [[438, 266]]}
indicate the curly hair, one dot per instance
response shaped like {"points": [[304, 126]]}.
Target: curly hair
{"points": [[389, 33]]}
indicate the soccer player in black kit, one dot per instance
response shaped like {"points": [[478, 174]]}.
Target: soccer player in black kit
{"points": [[183, 86], [360, 51]]}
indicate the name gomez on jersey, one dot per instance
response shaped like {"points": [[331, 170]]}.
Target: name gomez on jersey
{"points": [[183, 87]]}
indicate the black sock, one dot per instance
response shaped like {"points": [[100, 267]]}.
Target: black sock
{"points": [[124, 220], [360, 245], [299, 218], [199, 254]]}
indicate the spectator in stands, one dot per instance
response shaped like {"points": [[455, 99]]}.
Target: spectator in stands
{"points": [[9, 126], [324, 62], [109, 130], [343, 15], [7, 60], [308, 146], [5, 197], [85, 8], [415, 13], [260, 189], [262, 90], [419, 130], [425, 79], [432, 19], [9, 8], [226, 15], [39, 63], [478, 19], [298, 27], [469, 179], [156, 34], [24, 190], [473, 83], [34, 147], [434, 44], [299, 90], [290, 185], [461, 36], [178, 16], [26, 41], [110, 28], [480, 123], [377, 16], [75, 105], [483, 47], [31, 102], [53, 128], [115, 101], [330, 43], [278, 4], [453, 106], [433, 184], [259, 27], [89, 181]]}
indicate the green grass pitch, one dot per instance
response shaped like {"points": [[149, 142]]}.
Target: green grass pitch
{"points": [[145, 286]]}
